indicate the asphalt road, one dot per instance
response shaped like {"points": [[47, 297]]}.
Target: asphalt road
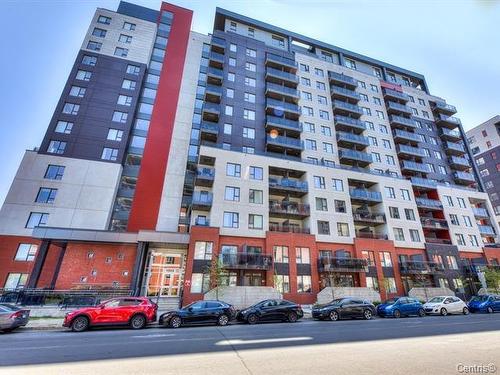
{"points": [[397, 346]]}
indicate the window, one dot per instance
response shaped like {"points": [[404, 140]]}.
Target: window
{"points": [[304, 284], [304, 68], [307, 111], [320, 86], [26, 252], [56, 147], [369, 256], [306, 95], [251, 67], [449, 200], [305, 81], [328, 148], [255, 221], [321, 204], [104, 20], [322, 100], [282, 283], [414, 235], [387, 143], [250, 81], [362, 84], [364, 97], [255, 196], [467, 221], [256, 173], [325, 130], [250, 98], [115, 135], [54, 172], [89, 60], [94, 46], [372, 282], [405, 194], [460, 239], [376, 157], [351, 64], [232, 61], [380, 115], [390, 159], [228, 128], [343, 229], [232, 193], [324, 115], [228, 110], [71, 108], [311, 145], [452, 262], [83, 75], [399, 234], [338, 185], [64, 127], [16, 280], [366, 111], [109, 154], [302, 255], [233, 170], [133, 69], [425, 114], [46, 195], [377, 101], [319, 182], [120, 117], [122, 52], [484, 172], [280, 254], [231, 220], [385, 259], [251, 52], [249, 133], [389, 192], [454, 219], [128, 26], [394, 212], [128, 84], [461, 202], [278, 41], [442, 169], [374, 88], [340, 206], [473, 240], [323, 227], [77, 91], [409, 214], [248, 114], [124, 100], [390, 286], [37, 219], [125, 38]]}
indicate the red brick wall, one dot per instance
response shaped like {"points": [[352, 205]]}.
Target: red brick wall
{"points": [[492, 253], [8, 249]]}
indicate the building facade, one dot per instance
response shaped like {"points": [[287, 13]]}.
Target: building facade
{"points": [[293, 163]]}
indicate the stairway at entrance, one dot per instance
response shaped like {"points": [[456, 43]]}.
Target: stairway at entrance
{"points": [[166, 304]]}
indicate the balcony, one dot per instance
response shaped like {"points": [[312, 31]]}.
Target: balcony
{"points": [[343, 80], [215, 76], [423, 183], [363, 196], [368, 218], [371, 235], [280, 92], [352, 157], [330, 264], [292, 127], [211, 112], [447, 121], [486, 230], [411, 166], [450, 135], [218, 44], [204, 177], [440, 241], [289, 210], [285, 186], [398, 109], [246, 261], [420, 267], [213, 93], [346, 109], [463, 178], [280, 62], [216, 60], [398, 96], [209, 131], [344, 94], [288, 228], [458, 163], [352, 140], [430, 204], [349, 124], [480, 212], [278, 107], [404, 136], [202, 221], [400, 122], [285, 142], [442, 107], [431, 223], [409, 151], [454, 148], [202, 201], [281, 77]]}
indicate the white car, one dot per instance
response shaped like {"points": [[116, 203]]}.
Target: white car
{"points": [[445, 305]]}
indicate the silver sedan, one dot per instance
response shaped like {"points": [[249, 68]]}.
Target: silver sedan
{"points": [[12, 317]]}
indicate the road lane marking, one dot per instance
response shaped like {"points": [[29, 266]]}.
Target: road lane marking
{"points": [[154, 335], [261, 341]]}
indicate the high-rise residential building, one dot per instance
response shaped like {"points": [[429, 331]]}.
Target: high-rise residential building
{"points": [[295, 163], [484, 141]]}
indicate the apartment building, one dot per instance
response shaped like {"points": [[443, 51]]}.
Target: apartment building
{"points": [[294, 163], [484, 141]]}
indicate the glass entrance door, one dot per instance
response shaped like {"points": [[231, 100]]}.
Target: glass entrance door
{"points": [[164, 274]]}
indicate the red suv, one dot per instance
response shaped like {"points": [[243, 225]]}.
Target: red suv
{"points": [[135, 312]]}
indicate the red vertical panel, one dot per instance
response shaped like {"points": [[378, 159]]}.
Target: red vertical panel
{"points": [[146, 203]]}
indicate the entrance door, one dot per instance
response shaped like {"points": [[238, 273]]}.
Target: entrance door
{"points": [[253, 278], [164, 273]]}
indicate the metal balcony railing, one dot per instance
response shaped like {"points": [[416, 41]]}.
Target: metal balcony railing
{"points": [[289, 208], [246, 261], [331, 264], [288, 228], [425, 202], [420, 267], [366, 195], [288, 184], [434, 223], [368, 217]]}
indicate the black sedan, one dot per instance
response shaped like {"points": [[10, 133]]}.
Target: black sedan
{"points": [[200, 312], [271, 309], [344, 308], [12, 317]]}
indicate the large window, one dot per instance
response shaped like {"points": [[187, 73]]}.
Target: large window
{"points": [[385, 259], [255, 221], [415, 236], [200, 282], [71, 108], [54, 172], [203, 250], [304, 284], [390, 285], [338, 185], [233, 170], [369, 256], [256, 173], [232, 193], [280, 254], [372, 282], [255, 196], [46, 195], [64, 127], [26, 252], [77, 91], [302, 255], [343, 229], [56, 147], [83, 75], [109, 154], [399, 234], [16, 280], [37, 219], [120, 116], [282, 283], [321, 204], [231, 220], [323, 227]]}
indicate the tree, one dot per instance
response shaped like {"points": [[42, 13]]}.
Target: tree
{"points": [[384, 283], [492, 276], [217, 274]]}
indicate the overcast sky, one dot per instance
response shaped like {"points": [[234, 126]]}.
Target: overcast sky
{"points": [[454, 43]]}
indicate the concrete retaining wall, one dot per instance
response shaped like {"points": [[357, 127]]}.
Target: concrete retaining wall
{"points": [[329, 293], [242, 296], [425, 294]]}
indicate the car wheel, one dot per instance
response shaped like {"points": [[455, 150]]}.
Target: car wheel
{"points": [[175, 322], [465, 311], [223, 320], [367, 314], [397, 314], [292, 317], [421, 313], [138, 322], [443, 312], [80, 324], [334, 316], [8, 330], [252, 319], [489, 310]]}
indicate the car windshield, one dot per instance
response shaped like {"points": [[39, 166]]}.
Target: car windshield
{"points": [[479, 299], [9, 307], [436, 300], [391, 301], [337, 301]]}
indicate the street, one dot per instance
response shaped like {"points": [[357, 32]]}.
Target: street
{"points": [[400, 346]]}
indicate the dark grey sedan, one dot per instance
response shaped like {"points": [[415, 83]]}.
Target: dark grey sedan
{"points": [[12, 317]]}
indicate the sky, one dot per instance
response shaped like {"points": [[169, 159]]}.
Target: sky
{"points": [[454, 43]]}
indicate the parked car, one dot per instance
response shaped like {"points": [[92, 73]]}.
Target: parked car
{"points": [[12, 317], [400, 306], [136, 312], [445, 305], [485, 303], [344, 308], [271, 309], [200, 312]]}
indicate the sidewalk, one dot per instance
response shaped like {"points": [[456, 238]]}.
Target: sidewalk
{"points": [[44, 324]]}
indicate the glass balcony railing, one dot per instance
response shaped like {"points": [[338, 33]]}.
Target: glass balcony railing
{"points": [[329, 264], [211, 107], [219, 57], [423, 182], [409, 150], [284, 90], [282, 75], [338, 104], [368, 217], [246, 261], [355, 155], [283, 123], [282, 106], [418, 167], [396, 94], [209, 127], [352, 138], [208, 173], [480, 212], [450, 146], [200, 198], [397, 107], [486, 229], [342, 78], [448, 119], [407, 136], [419, 267], [366, 195], [342, 92], [288, 228], [428, 203], [450, 134], [219, 42], [280, 60], [448, 108], [464, 176], [289, 208], [218, 73], [348, 123], [402, 121], [286, 142], [459, 161], [434, 223], [285, 183]]}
